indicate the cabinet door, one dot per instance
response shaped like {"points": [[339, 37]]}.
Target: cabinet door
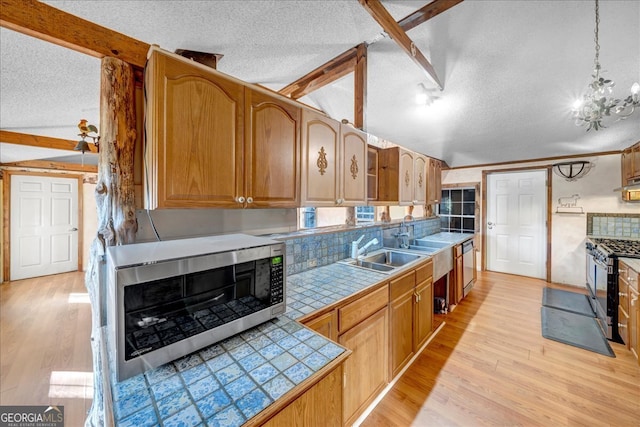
{"points": [[434, 182], [372, 173], [327, 325], [354, 164], [635, 162], [406, 177], [272, 154], [195, 135], [320, 166], [366, 369], [633, 321], [401, 331], [420, 180], [423, 313], [459, 267]]}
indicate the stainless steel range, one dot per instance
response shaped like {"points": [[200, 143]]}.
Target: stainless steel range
{"points": [[602, 278]]}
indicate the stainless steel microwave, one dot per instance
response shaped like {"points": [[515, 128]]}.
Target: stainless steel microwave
{"points": [[167, 299]]}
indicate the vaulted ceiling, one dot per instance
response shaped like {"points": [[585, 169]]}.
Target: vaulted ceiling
{"points": [[510, 69]]}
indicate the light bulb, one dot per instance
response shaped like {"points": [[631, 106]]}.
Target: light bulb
{"points": [[635, 88]]}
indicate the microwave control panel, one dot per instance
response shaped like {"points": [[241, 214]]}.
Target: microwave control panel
{"points": [[277, 279]]}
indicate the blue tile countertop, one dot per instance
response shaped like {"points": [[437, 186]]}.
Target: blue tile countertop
{"points": [[227, 383], [323, 286]]}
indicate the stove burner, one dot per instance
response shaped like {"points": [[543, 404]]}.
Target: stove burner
{"points": [[618, 247]]}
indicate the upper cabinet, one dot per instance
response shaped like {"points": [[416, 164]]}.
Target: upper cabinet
{"points": [[354, 166], [420, 180], [334, 162], [397, 175], [272, 152], [434, 188], [631, 164], [214, 142]]}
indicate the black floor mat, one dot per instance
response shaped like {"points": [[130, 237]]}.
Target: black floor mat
{"points": [[568, 301], [574, 329]]}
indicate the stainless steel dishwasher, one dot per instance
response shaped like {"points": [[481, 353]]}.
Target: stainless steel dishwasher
{"points": [[467, 266]]}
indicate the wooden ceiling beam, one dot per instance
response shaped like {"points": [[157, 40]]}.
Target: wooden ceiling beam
{"points": [[47, 23], [360, 87], [48, 164], [40, 141], [393, 29], [327, 73], [425, 13]]}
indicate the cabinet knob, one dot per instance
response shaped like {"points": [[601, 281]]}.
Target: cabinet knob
{"points": [[622, 325], [622, 294], [249, 199], [240, 199]]}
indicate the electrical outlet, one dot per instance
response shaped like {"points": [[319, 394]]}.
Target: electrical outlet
{"points": [[312, 263]]}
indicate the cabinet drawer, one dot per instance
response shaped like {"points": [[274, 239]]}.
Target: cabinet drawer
{"points": [[623, 295], [424, 272], [623, 325], [402, 285], [355, 312]]}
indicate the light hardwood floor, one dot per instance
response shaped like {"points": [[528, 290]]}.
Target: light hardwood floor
{"points": [[45, 350], [490, 365]]}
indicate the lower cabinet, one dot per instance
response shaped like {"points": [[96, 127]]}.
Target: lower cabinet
{"points": [[629, 307], [365, 371], [321, 405], [326, 324], [411, 314]]}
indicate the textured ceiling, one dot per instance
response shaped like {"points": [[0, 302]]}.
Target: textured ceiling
{"points": [[511, 69]]}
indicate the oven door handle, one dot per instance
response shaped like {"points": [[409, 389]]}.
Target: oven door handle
{"points": [[600, 264]]}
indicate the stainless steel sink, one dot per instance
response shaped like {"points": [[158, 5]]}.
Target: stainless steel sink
{"points": [[384, 261], [427, 245], [393, 258]]}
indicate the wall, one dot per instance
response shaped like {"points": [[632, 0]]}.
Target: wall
{"points": [[568, 231], [2, 233]]}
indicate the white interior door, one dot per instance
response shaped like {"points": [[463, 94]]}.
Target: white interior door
{"points": [[44, 226], [516, 228]]}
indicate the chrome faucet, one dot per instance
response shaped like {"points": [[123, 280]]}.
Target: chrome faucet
{"points": [[403, 237], [356, 252]]}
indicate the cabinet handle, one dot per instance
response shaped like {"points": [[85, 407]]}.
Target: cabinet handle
{"points": [[622, 294], [240, 199], [249, 199], [622, 325]]}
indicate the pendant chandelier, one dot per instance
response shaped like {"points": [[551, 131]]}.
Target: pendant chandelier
{"points": [[596, 103]]}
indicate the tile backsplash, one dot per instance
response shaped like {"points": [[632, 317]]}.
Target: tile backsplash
{"points": [[306, 250], [613, 225]]}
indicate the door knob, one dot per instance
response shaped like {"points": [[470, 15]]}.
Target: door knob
{"points": [[490, 225], [73, 229]]}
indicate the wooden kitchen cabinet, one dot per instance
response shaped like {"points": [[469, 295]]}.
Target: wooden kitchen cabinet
{"points": [[423, 308], [195, 135], [402, 295], [410, 314], [396, 176], [353, 179], [630, 164], [629, 307], [272, 152], [320, 166], [434, 181], [372, 173], [420, 178], [458, 266], [215, 142], [326, 324], [365, 372]]}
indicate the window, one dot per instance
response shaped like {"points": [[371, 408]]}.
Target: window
{"points": [[307, 218], [365, 214], [458, 210]]}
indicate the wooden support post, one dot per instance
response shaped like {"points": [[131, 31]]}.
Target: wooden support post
{"points": [[117, 222]]}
